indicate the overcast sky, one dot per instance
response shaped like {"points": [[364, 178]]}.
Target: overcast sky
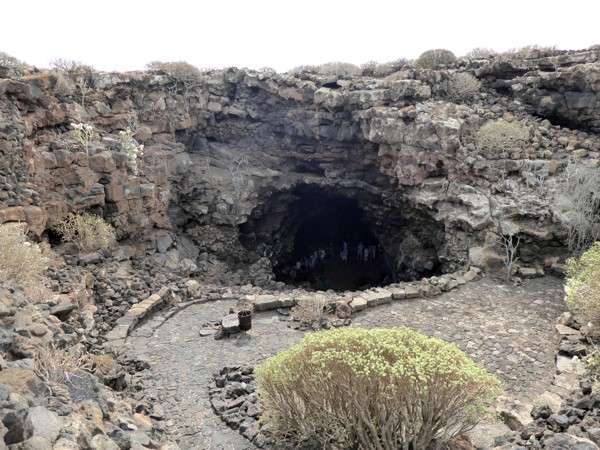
{"points": [[126, 34]]}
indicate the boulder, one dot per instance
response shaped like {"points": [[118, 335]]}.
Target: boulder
{"points": [[515, 414], [15, 417], [102, 162], [358, 304], [26, 384], [46, 424], [343, 310], [230, 324], [192, 287]]}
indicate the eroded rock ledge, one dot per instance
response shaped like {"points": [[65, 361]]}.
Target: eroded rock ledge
{"points": [[225, 160]]}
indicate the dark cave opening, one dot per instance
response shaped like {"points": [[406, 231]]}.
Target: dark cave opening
{"points": [[332, 229], [318, 239]]}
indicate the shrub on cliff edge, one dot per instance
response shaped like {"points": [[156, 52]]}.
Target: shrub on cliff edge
{"points": [[583, 287], [435, 58], [372, 389], [180, 71]]}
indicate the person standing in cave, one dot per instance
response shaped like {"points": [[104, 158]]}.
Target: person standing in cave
{"points": [[359, 253], [373, 251], [366, 254], [344, 254]]}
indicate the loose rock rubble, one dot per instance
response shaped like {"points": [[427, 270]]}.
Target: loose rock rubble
{"points": [[235, 400], [567, 421], [54, 393]]}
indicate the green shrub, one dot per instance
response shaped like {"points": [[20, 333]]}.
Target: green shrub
{"points": [[583, 287], [432, 59], [88, 232], [373, 389], [500, 136], [21, 260], [132, 149]]}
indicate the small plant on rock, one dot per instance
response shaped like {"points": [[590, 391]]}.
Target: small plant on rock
{"points": [[88, 232], [583, 288], [373, 389], [56, 365], [132, 149], [84, 133], [510, 246]]}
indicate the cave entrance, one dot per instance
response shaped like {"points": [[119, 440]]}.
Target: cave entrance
{"points": [[325, 252], [317, 241]]}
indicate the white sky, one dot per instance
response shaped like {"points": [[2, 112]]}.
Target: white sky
{"points": [[126, 34]]}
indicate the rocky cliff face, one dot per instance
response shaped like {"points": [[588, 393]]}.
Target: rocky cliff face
{"points": [[236, 165]]}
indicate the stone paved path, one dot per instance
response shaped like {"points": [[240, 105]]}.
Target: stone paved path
{"points": [[507, 329]]}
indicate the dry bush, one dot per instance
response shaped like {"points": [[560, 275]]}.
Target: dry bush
{"points": [[303, 70], [501, 136], [104, 363], [373, 389], [88, 232], [16, 67], [583, 288], [21, 260], [58, 365], [461, 86], [339, 69], [267, 70], [529, 52], [379, 70], [481, 53], [435, 58], [577, 200], [310, 310], [179, 71], [69, 65], [369, 67]]}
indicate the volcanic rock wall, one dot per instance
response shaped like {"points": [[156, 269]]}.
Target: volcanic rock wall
{"points": [[226, 158]]}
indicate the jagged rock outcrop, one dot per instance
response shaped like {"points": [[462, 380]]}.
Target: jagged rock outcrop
{"points": [[227, 161]]}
